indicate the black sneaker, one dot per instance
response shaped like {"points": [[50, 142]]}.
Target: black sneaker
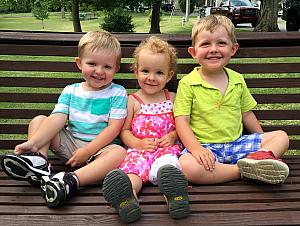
{"points": [[117, 190], [58, 188], [173, 184], [29, 167]]}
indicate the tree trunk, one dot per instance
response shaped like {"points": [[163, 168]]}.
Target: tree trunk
{"points": [[75, 16], [268, 16], [63, 14], [155, 17], [187, 10]]}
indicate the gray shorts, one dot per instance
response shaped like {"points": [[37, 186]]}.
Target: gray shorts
{"points": [[69, 144]]}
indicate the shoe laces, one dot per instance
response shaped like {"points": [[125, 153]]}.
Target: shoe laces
{"points": [[36, 160], [69, 181]]}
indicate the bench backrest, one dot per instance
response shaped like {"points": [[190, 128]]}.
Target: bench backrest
{"points": [[34, 67]]}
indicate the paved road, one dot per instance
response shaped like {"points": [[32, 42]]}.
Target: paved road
{"points": [[281, 25]]}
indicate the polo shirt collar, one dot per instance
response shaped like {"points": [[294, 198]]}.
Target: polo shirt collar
{"points": [[232, 77]]}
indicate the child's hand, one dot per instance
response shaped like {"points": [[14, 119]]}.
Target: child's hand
{"points": [[25, 147], [147, 144], [78, 158], [205, 158], [167, 140]]}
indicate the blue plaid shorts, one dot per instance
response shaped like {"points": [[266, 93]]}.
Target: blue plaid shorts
{"points": [[230, 153]]}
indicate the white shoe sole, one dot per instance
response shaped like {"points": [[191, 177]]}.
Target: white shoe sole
{"points": [[267, 170], [19, 169]]}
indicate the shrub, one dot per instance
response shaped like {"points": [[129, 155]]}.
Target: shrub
{"points": [[117, 20]]}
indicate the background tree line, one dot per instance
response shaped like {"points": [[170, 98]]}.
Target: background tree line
{"points": [[268, 19]]}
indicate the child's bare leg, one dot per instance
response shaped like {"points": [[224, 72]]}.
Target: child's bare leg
{"points": [[96, 170], [136, 182], [120, 189], [29, 146], [65, 184], [34, 125], [276, 141], [28, 167], [196, 173]]}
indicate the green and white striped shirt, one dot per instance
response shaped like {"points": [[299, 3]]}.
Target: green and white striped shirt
{"points": [[89, 111]]}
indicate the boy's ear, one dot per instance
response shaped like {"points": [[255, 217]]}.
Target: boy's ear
{"points": [[235, 48], [135, 70], [117, 68], [191, 51], [78, 62]]}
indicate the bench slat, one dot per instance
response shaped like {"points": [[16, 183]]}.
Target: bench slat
{"points": [[131, 83], [230, 218], [261, 114], [52, 98], [58, 50], [22, 128], [156, 203], [10, 144], [48, 66]]}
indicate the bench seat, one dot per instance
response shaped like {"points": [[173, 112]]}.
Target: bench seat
{"points": [[235, 203]]}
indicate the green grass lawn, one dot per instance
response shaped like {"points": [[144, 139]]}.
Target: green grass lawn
{"points": [[26, 21]]}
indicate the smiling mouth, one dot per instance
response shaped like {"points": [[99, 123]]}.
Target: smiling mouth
{"points": [[97, 78], [150, 84], [213, 58]]}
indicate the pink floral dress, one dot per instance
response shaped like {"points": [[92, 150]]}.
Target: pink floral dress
{"points": [[152, 121]]}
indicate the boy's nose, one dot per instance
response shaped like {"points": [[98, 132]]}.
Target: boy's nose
{"points": [[99, 70], [213, 48]]}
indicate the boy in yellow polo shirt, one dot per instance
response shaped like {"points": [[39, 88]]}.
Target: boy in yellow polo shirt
{"points": [[212, 105]]}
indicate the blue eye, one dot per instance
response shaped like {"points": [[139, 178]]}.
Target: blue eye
{"points": [[108, 67], [204, 44]]}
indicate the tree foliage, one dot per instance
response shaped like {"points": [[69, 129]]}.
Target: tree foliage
{"points": [[110, 5], [117, 20], [15, 6], [40, 10]]}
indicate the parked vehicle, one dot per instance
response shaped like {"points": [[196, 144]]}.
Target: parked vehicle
{"points": [[291, 14], [167, 7], [239, 11]]}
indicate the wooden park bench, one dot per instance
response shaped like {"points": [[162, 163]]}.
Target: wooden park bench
{"points": [[34, 67]]}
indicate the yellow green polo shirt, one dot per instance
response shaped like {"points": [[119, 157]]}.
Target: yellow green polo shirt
{"points": [[214, 118]]}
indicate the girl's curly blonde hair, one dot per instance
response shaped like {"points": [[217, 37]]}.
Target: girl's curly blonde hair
{"points": [[157, 45]]}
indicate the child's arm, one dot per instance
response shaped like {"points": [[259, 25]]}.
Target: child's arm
{"points": [[47, 130], [251, 123], [107, 135], [170, 138], [186, 135], [126, 135]]}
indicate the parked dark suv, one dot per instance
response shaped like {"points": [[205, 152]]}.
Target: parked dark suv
{"points": [[291, 14], [167, 7], [239, 11]]}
